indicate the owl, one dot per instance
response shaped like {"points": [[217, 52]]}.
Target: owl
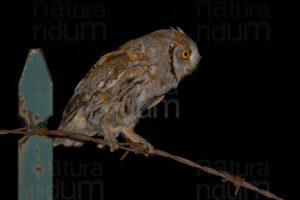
{"points": [[110, 99]]}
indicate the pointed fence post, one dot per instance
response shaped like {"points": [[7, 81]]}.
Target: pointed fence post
{"points": [[35, 180]]}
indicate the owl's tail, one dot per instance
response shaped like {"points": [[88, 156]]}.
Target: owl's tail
{"points": [[67, 142]]}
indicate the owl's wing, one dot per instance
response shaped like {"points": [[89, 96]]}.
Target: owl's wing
{"points": [[104, 75]]}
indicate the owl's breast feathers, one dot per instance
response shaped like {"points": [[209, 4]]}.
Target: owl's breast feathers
{"points": [[118, 88]]}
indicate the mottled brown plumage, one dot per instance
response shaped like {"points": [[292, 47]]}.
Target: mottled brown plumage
{"points": [[124, 83]]}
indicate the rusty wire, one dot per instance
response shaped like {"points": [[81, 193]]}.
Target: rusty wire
{"points": [[237, 181]]}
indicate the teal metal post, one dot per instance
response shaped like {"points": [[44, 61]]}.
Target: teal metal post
{"points": [[35, 180]]}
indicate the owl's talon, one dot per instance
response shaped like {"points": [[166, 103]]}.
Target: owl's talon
{"points": [[100, 146], [112, 143], [148, 148], [116, 145]]}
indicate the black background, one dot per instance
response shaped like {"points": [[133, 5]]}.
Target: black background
{"points": [[230, 109]]}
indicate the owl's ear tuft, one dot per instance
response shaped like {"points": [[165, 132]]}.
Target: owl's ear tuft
{"points": [[177, 29], [172, 28], [180, 30]]}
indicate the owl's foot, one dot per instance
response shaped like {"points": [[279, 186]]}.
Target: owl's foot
{"points": [[112, 142], [147, 147], [141, 144]]}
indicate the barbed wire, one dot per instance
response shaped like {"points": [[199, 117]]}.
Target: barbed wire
{"points": [[128, 146]]}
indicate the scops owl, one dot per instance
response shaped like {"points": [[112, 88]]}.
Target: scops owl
{"points": [[122, 84]]}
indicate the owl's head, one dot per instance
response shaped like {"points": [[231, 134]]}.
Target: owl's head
{"points": [[184, 56]]}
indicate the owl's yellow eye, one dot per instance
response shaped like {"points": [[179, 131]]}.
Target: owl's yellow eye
{"points": [[185, 54]]}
